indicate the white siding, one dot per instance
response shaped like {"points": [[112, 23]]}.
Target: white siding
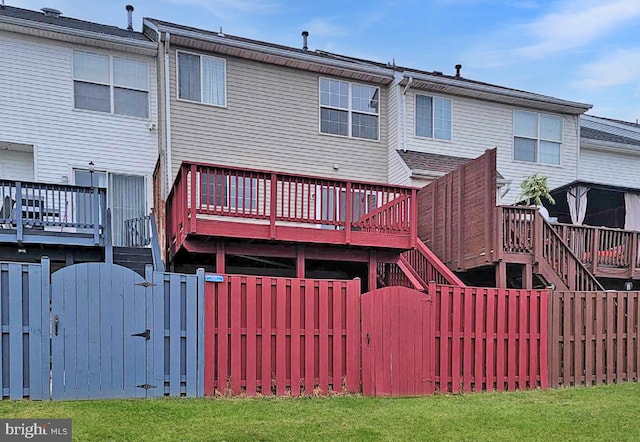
{"points": [[37, 109], [605, 167], [481, 125], [271, 122]]}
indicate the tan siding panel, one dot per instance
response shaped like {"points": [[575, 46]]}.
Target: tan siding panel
{"points": [[271, 122]]}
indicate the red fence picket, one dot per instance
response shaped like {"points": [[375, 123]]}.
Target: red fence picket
{"points": [[489, 339], [267, 335]]}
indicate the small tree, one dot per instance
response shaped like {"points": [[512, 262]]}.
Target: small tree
{"points": [[535, 188]]}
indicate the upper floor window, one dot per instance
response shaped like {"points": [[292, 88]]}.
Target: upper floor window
{"points": [[537, 137], [349, 109], [110, 84], [433, 117], [202, 79]]}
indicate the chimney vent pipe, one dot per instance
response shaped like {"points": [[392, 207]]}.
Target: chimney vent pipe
{"points": [[458, 67], [129, 9], [305, 36]]}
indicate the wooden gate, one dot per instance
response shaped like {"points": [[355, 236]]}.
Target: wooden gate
{"points": [[99, 334], [118, 335], [396, 342]]}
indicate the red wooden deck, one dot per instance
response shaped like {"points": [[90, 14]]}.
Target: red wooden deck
{"points": [[221, 201]]}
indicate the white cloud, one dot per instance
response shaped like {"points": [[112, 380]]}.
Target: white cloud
{"points": [[324, 27], [225, 8], [619, 68], [575, 24]]}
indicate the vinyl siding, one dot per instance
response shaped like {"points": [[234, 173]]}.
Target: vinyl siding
{"points": [[37, 109], [605, 167], [271, 122], [480, 125]]}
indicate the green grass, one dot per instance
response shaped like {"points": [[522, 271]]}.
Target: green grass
{"points": [[610, 413]]}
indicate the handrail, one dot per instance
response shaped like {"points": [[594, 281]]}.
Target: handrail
{"points": [[578, 278], [429, 267]]}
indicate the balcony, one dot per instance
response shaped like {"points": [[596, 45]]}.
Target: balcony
{"points": [[51, 214], [221, 201]]}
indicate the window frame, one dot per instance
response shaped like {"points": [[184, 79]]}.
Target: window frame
{"points": [[111, 84], [225, 201], [224, 63], [538, 138], [433, 118], [350, 111]]}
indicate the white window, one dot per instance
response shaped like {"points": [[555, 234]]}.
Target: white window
{"points": [[349, 109], [537, 137], [110, 84], [433, 117], [202, 79]]}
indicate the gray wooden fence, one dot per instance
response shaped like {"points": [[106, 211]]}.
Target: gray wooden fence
{"points": [[36, 325]]}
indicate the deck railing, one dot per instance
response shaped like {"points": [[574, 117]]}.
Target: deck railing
{"points": [[525, 231], [31, 208], [202, 190], [602, 248]]}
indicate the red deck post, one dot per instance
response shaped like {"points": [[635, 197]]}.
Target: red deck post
{"points": [[273, 205], [348, 213], [373, 270], [413, 222], [192, 208], [300, 262], [594, 251], [220, 252]]}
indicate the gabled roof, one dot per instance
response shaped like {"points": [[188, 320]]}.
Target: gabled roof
{"points": [[367, 70], [599, 135], [315, 61], [25, 21], [423, 161]]}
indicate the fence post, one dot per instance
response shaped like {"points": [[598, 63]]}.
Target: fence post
{"points": [[108, 242], [413, 218], [201, 335]]}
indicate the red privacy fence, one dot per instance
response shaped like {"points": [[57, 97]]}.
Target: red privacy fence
{"points": [[287, 336], [282, 336], [489, 339]]}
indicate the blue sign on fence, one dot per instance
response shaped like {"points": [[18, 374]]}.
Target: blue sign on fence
{"points": [[214, 278]]}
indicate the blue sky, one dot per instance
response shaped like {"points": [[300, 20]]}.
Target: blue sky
{"points": [[581, 50]]}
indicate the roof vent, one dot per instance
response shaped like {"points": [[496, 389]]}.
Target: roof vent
{"points": [[50, 12], [129, 9], [458, 67], [305, 36], [437, 73]]}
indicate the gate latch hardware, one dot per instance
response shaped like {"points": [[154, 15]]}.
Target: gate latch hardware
{"points": [[145, 284], [146, 386], [145, 334]]}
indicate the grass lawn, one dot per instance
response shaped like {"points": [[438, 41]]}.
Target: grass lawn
{"points": [[610, 413]]}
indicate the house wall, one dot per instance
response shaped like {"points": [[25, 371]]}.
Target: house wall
{"points": [[37, 109], [609, 167], [271, 121], [480, 125]]}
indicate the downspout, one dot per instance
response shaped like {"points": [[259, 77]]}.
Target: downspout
{"points": [[167, 106], [404, 113], [579, 147]]}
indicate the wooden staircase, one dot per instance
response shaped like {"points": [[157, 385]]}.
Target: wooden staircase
{"points": [[416, 268], [526, 232]]}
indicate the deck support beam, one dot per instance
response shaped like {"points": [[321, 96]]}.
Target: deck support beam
{"points": [[501, 274], [373, 270], [300, 260], [527, 276], [220, 258]]}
